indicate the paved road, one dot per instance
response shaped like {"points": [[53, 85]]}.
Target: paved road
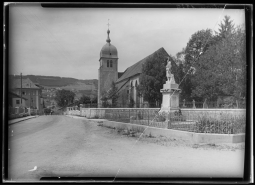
{"points": [[65, 146]]}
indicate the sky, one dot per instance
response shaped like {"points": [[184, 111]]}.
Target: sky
{"points": [[66, 42]]}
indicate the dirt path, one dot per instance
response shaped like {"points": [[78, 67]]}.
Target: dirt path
{"points": [[78, 147]]}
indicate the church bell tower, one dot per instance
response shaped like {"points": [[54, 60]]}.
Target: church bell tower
{"points": [[108, 68]]}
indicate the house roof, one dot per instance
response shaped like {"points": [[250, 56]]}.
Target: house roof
{"points": [[13, 95], [137, 67], [26, 83]]}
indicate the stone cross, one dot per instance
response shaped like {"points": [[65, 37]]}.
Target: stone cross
{"points": [[194, 105], [184, 103], [108, 24]]}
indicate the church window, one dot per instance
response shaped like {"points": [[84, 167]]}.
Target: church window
{"points": [[107, 63], [110, 63]]}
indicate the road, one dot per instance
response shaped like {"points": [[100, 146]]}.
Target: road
{"points": [[66, 146]]}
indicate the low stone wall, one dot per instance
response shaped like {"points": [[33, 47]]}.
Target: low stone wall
{"points": [[191, 136], [102, 112], [191, 114]]}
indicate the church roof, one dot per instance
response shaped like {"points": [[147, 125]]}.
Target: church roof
{"points": [[137, 67], [26, 82], [121, 84]]}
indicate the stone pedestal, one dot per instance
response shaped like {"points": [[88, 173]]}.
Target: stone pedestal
{"points": [[170, 100]]}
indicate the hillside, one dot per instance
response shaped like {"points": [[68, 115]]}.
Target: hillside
{"points": [[80, 86]]}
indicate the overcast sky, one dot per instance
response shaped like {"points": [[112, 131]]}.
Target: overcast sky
{"points": [[66, 42]]}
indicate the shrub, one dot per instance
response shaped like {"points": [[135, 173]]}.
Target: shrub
{"points": [[132, 118], [160, 118], [225, 124], [139, 115]]}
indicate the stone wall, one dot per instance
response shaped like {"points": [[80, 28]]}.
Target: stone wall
{"points": [[190, 114]]}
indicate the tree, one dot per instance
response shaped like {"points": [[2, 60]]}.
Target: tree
{"points": [[153, 76], [226, 28], [84, 100], [113, 95], [64, 97], [104, 99], [197, 45], [221, 70]]}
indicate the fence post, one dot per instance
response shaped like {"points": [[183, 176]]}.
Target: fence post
{"points": [[129, 113], [148, 119]]}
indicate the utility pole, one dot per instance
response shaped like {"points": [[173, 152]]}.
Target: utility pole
{"points": [[21, 88], [30, 97]]}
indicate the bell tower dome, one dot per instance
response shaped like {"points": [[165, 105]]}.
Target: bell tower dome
{"points": [[108, 67]]}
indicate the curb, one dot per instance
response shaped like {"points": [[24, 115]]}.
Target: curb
{"points": [[21, 120], [196, 138]]}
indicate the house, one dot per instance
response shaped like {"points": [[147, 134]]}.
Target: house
{"points": [[15, 100], [29, 90]]}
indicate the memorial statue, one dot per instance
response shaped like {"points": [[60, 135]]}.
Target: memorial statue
{"points": [[169, 75], [168, 69]]}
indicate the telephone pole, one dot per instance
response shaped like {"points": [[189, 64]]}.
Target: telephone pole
{"points": [[21, 88]]}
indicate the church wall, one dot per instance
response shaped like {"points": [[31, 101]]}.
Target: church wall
{"points": [[130, 91]]}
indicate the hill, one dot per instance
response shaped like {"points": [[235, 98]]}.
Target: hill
{"points": [[77, 85]]}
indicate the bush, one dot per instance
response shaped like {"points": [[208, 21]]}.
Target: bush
{"points": [[160, 118], [139, 115], [225, 124]]}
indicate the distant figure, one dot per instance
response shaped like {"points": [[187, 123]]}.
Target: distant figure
{"points": [[50, 112]]}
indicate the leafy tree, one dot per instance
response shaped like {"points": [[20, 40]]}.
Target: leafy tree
{"points": [[84, 100], [131, 103], [221, 70], [104, 99], [64, 97], [113, 95], [197, 45], [154, 76], [44, 104]]}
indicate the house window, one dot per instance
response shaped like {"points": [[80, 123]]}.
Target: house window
{"points": [[23, 93], [107, 63], [17, 101], [110, 63]]}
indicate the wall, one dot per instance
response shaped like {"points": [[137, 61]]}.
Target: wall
{"points": [[190, 136], [17, 105], [191, 114]]}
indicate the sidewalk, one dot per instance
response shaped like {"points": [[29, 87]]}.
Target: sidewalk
{"points": [[10, 122], [81, 117]]}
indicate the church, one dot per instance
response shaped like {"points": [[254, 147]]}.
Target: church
{"points": [[126, 82]]}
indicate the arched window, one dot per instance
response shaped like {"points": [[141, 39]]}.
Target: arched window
{"points": [[107, 63], [110, 63]]}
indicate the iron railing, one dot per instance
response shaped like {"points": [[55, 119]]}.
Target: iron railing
{"points": [[220, 121]]}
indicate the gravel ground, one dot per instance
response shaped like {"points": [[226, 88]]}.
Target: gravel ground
{"points": [[65, 146]]}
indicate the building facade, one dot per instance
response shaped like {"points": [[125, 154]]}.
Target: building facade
{"points": [[28, 90], [127, 82], [15, 100]]}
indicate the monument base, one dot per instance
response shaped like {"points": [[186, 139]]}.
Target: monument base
{"points": [[170, 100]]}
